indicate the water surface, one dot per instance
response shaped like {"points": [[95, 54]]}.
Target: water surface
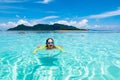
{"points": [[90, 55]]}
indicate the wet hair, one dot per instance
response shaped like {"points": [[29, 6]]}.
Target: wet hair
{"points": [[47, 41]]}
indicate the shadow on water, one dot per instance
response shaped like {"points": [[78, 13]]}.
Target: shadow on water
{"points": [[50, 61], [47, 63]]}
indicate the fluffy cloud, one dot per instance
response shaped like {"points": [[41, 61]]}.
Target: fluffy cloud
{"points": [[18, 1], [105, 15], [13, 24], [96, 26], [25, 22], [11, 1], [50, 17], [44, 1], [17, 16], [79, 24]]}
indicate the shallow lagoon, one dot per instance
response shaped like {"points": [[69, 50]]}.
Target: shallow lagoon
{"points": [[93, 55]]}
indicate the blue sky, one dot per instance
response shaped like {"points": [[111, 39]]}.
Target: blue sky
{"points": [[92, 14]]}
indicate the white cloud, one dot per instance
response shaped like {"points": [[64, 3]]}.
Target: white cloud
{"points": [[50, 12], [50, 17], [17, 16], [44, 1], [43, 20], [79, 24], [25, 22], [14, 24], [6, 9], [18, 1], [96, 26], [105, 27], [8, 12], [11, 1], [11, 7], [106, 14]]}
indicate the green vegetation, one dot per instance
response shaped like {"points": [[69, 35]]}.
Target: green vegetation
{"points": [[44, 27]]}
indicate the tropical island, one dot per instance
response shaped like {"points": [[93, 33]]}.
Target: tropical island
{"points": [[38, 27]]}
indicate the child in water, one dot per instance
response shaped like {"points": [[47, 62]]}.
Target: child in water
{"points": [[49, 46]]}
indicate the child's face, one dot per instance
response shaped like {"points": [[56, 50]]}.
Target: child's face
{"points": [[50, 44]]}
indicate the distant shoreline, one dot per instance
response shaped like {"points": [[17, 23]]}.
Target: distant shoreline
{"points": [[48, 31], [45, 27], [64, 31]]}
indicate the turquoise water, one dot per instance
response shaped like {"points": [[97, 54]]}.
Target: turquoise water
{"points": [[88, 56]]}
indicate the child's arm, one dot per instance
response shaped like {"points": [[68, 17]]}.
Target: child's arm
{"points": [[39, 48], [58, 47]]}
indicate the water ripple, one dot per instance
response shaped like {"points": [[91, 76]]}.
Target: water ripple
{"points": [[89, 56]]}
